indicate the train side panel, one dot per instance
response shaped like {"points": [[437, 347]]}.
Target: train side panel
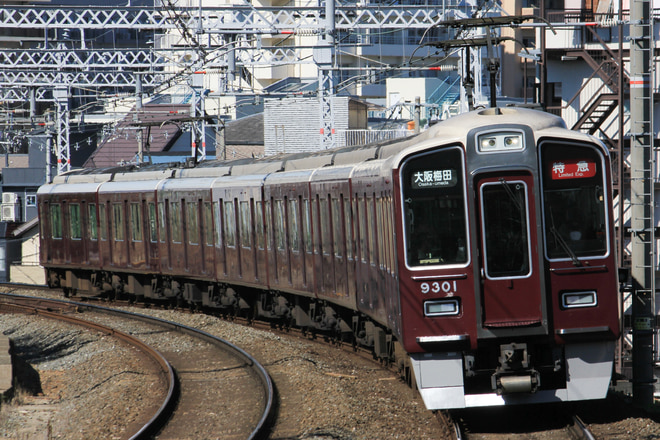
{"points": [[329, 188], [240, 231], [290, 247], [69, 233], [182, 202], [374, 288]]}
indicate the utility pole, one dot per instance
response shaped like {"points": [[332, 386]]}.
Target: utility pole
{"points": [[197, 113], [641, 200], [323, 58], [62, 119], [136, 119]]}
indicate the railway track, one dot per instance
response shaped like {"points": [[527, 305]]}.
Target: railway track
{"points": [[558, 425], [542, 423], [325, 389], [219, 390]]}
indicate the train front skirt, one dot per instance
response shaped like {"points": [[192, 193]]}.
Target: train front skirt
{"points": [[439, 378]]}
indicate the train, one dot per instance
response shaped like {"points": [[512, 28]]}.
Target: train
{"points": [[476, 257]]}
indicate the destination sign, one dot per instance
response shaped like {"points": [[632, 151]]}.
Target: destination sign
{"points": [[573, 169], [423, 179]]}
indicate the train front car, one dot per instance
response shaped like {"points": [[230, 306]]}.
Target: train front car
{"points": [[508, 280]]}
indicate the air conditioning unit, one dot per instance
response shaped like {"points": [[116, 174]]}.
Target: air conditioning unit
{"points": [[9, 198], [10, 212]]}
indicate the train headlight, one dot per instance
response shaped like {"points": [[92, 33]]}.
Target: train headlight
{"points": [[500, 141], [442, 307], [512, 141], [570, 300], [488, 144]]}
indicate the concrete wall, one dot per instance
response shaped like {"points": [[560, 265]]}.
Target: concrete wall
{"points": [[292, 125]]}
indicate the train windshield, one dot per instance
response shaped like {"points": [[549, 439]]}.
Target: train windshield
{"points": [[434, 209], [505, 227], [573, 202]]}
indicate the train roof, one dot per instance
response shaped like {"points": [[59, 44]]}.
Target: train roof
{"points": [[456, 128]]}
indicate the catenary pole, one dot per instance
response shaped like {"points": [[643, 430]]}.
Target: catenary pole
{"points": [[641, 200]]}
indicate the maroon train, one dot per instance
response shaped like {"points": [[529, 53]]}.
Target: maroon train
{"points": [[477, 255]]}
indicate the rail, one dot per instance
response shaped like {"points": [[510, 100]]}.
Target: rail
{"points": [[54, 308]]}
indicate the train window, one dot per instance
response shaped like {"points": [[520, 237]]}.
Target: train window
{"points": [[153, 230], [175, 221], [294, 225], [246, 224], [136, 222], [505, 229], [324, 218], [92, 224], [337, 224], [280, 239], [118, 221], [103, 222], [259, 225], [162, 230], [349, 229], [573, 176], [74, 222], [192, 223], [229, 217], [434, 212], [56, 221], [208, 224], [307, 227]]}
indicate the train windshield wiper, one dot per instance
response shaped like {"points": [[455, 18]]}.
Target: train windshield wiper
{"points": [[562, 242], [516, 201]]}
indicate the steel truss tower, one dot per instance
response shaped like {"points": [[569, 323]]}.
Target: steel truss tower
{"points": [[206, 36]]}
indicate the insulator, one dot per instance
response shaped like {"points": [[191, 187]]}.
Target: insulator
{"points": [[610, 22], [307, 32], [445, 68]]}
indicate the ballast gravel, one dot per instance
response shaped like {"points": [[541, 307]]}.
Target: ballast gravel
{"points": [[82, 385]]}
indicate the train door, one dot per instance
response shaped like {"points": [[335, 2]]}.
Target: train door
{"points": [[207, 233], [511, 292], [136, 242], [152, 225], [163, 235], [326, 252], [260, 248], [105, 249], [118, 234]]}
